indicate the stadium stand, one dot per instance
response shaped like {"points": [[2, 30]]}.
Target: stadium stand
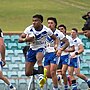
{"points": [[14, 38], [15, 67], [7, 38], [2, 85]]}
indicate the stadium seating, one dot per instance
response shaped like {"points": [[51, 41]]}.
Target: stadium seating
{"points": [[12, 74], [13, 67], [15, 63], [2, 85], [16, 60], [21, 67], [18, 53], [8, 59], [6, 68], [7, 38], [9, 53], [21, 45], [14, 38], [23, 84], [21, 74], [12, 46]]}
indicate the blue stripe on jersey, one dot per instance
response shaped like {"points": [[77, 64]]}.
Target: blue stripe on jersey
{"points": [[31, 30], [56, 34], [75, 41], [41, 35], [62, 43], [49, 39]]}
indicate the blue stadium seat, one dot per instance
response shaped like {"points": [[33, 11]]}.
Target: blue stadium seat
{"points": [[21, 45], [7, 39], [81, 36], [8, 59], [21, 74], [21, 67], [6, 68], [18, 53], [5, 73], [2, 85], [12, 46], [23, 59], [86, 52], [87, 45], [14, 38], [16, 60], [13, 67], [23, 84], [12, 74], [9, 53], [84, 72], [86, 58]]}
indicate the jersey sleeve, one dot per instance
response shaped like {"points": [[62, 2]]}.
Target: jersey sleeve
{"points": [[61, 35], [27, 30], [50, 33], [80, 42], [71, 42]]}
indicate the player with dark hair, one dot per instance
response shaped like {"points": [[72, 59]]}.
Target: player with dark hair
{"points": [[36, 34], [74, 65], [64, 58], [51, 58]]}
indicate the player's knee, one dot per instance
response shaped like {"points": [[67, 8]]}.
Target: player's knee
{"points": [[53, 73], [28, 73], [70, 73], [63, 73]]}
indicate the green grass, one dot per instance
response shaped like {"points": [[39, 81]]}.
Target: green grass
{"points": [[16, 15]]}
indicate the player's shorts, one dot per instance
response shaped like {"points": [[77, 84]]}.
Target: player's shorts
{"points": [[31, 54], [50, 58], [63, 60], [0, 65], [75, 62]]}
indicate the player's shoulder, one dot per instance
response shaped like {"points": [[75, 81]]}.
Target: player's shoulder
{"points": [[78, 39], [29, 27], [46, 28], [69, 37], [57, 31]]}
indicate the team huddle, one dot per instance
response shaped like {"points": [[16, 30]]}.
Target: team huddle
{"points": [[60, 52]]}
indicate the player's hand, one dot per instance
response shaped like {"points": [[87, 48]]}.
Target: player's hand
{"points": [[55, 46], [66, 50], [72, 55], [58, 53]]}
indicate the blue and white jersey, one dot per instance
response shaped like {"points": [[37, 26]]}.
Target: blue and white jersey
{"points": [[40, 36], [77, 42], [50, 42], [71, 43]]}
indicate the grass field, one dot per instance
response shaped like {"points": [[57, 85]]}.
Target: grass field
{"points": [[16, 15]]}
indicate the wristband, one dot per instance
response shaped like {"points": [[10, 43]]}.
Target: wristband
{"points": [[76, 53], [24, 39]]}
